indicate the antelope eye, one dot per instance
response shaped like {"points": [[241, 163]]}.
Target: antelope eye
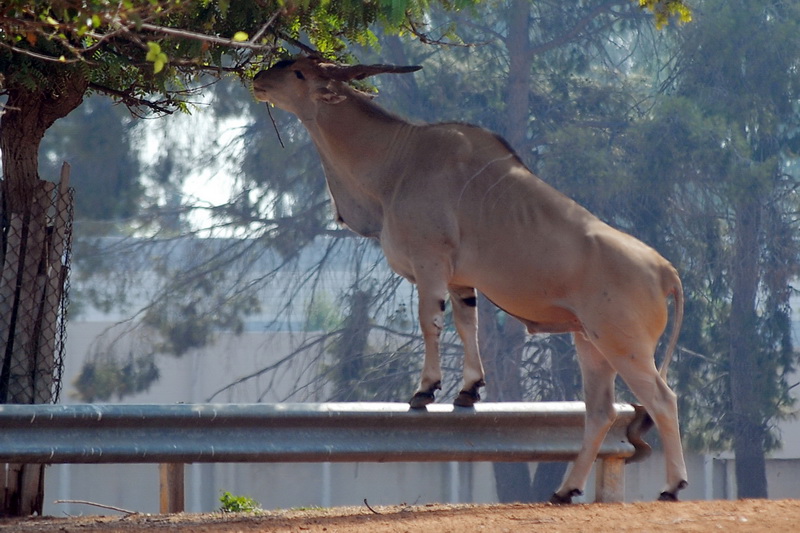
{"points": [[299, 75]]}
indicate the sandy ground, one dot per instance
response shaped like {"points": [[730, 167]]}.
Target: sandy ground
{"points": [[776, 516]]}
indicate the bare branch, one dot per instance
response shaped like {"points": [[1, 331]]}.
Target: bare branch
{"points": [[130, 100], [424, 38], [304, 47], [101, 505], [263, 28], [577, 28], [37, 55], [303, 347], [186, 34]]}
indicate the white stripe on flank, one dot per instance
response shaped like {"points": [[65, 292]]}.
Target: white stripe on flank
{"points": [[464, 188]]}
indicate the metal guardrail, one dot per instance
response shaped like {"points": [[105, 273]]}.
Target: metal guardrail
{"points": [[307, 432]]}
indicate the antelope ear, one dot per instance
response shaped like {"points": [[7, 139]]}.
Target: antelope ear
{"points": [[328, 96]]}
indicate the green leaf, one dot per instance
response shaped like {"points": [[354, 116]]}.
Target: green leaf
{"points": [[153, 50], [240, 36], [156, 56]]}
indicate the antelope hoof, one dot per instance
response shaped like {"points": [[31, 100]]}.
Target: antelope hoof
{"points": [[423, 398], [566, 499], [468, 397], [672, 496], [667, 497]]}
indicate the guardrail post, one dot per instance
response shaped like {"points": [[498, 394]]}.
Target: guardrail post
{"points": [[610, 480], [171, 477]]}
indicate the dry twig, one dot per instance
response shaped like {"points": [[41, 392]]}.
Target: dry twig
{"points": [[101, 505]]}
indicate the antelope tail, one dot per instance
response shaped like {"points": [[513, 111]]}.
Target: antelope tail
{"points": [[677, 295]]}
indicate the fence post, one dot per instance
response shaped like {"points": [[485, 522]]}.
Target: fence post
{"points": [[610, 480], [171, 477]]}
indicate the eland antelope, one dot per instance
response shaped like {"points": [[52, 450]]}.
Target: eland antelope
{"points": [[456, 210]]}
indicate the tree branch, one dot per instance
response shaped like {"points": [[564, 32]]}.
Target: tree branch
{"points": [[577, 29], [263, 28], [186, 34], [130, 100], [37, 55], [291, 40]]}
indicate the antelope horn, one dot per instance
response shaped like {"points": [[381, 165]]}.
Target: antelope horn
{"points": [[359, 72]]}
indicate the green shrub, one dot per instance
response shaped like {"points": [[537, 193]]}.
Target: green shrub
{"points": [[238, 504]]}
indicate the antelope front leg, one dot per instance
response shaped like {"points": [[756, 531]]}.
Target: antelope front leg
{"points": [[431, 319]]}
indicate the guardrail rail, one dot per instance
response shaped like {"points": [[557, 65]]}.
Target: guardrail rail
{"points": [[173, 435]]}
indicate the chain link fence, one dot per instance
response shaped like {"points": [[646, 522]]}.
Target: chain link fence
{"points": [[34, 285]]}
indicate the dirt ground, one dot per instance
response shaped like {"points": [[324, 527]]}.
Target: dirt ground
{"points": [[775, 516]]}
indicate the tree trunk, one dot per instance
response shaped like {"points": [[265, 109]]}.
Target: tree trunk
{"points": [[501, 349], [566, 386], [27, 116], [26, 302], [502, 346], [749, 428], [518, 45]]}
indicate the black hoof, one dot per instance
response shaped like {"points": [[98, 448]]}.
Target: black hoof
{"points": [[668, 496], [423, 398], [468, 398], [558, 499]]}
